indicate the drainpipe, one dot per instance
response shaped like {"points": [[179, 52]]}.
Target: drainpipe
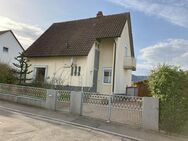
{"points": [[114, 67]]}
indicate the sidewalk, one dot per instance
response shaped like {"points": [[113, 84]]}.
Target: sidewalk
{"points": [[93, 123]]}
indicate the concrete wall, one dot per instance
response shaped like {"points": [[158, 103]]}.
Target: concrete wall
{"points": [[122, 76], [23, 100], [76, 103], [49, 103], [150, 114], [9, 41]]}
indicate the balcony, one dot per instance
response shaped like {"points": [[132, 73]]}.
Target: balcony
{"points": [[130, 63]]}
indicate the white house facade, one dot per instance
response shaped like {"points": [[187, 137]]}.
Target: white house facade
{"points": [[9, 47], [96, 54]]}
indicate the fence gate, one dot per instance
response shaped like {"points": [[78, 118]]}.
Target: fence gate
{"points": [[118, 108], [125, 109], [95, 105], [63, 100]]}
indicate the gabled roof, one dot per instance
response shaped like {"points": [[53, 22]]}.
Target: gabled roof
{"points": [[5, 31], [77, 37]]}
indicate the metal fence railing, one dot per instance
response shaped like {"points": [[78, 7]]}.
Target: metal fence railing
{"points": [[119, 108], [126, 109], [63, 100], [33, 92], [95, 98], [63, 96], [127, 102]]}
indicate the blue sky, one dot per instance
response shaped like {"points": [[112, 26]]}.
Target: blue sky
{"points": [[160, 27]]}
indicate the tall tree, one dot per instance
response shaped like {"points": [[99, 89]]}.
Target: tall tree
{"points": [[22, 68]]}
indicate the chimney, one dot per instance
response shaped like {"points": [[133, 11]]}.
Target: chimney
{"points": [[99, 14]]}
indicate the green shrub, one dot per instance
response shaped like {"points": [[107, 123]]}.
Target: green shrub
{"points": [[170, 85], [7, 74]]}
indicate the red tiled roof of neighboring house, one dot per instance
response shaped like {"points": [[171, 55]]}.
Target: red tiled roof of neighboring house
{"points": [[75, 38]]}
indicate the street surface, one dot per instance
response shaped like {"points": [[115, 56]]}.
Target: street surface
{"points": [[18, 127]]}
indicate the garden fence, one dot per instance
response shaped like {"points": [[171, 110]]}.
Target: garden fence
{"points": [[132, 110]]}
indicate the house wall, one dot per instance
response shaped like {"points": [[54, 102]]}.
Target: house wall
{"points": [[105, 61], [8, 40], [90, 66], [122, 76], [59, 68]]}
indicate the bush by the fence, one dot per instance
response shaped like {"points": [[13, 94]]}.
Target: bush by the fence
{"points": [[170, 85], [7, 74]]}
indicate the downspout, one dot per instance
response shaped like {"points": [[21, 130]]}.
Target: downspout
{"points": [[114, 67]]}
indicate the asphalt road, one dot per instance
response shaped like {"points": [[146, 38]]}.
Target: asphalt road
{"points": [[19, 127]]}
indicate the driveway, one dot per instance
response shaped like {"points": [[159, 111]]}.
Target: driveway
{"points": [[19, 127]]}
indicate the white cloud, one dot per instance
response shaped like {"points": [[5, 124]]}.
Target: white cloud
{"points": [[170, 51], [25, 33], [174, 11]]}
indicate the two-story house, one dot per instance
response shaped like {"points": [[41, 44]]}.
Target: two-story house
{"points": [[9, 47], [96, 54]]}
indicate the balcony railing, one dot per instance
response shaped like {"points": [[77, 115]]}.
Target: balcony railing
{"points": [[129, 63]]}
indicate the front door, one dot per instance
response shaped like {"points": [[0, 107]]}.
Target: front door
{"points": [[40, 74]]}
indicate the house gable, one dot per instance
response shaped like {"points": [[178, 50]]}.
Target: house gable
{"points": [[6, 31], [9, 47]]}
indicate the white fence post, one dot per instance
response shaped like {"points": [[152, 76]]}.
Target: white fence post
{"points": [[51, 99], [150, 113], [76, 102]]}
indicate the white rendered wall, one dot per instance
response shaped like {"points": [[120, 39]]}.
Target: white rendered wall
{"points": [[8, 40], [122, 76], [59, 67]]}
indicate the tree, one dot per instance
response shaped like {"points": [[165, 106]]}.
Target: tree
{"points": [[170, 85], [22, 67]]}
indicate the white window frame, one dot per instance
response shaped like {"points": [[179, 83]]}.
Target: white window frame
{"points": [[107, 69]]}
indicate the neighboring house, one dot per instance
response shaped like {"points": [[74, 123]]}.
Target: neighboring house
{"points": [[9, 47], [95, 53], [142, 88]]}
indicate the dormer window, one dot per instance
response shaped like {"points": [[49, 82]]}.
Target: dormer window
{"points": [[5, 49]]}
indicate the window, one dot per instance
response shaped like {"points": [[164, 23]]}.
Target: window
{"points": [[79, 70], [72, 70], [107, 76], [5, 49], [75, 70]]}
